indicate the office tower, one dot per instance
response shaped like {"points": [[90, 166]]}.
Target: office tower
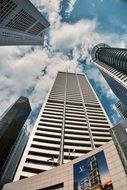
{"points": [[112, 62], [122, 109], [21, 23], [14, 156], [10, 127], [71, 123]]}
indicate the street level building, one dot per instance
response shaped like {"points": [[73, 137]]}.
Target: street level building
{"points": [[11, 124], [119, 135], [21, 23], [71, 123], [74, 175], [112, 63], [122, 109]]}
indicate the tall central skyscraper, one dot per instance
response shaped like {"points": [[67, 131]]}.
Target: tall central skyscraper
{"points": [[112, 63], [71, 123]]}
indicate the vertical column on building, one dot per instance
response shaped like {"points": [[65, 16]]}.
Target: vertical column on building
{"points": [[61, 154], [87, 119]]}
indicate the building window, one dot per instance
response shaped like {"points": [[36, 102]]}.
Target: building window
{"points": [[7, 6], [36, 29], [22, 21], [57, 186]]}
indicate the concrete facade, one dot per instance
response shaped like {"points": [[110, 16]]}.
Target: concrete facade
{"points": [[71, 123], [21, 23], [64, 174]]}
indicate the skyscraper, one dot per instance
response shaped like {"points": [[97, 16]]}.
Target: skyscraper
{"points": [[112, 63], [10, 127], [71, 123], [14, 156], [122, 109], [21, 23]]}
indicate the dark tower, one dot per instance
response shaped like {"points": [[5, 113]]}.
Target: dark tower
{"points": [[10, 127]]}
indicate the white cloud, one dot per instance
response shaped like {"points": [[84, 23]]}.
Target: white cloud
{"points": [[20, 75], [94, 73], [93, 4], [71, 4], [50, 7], [66, 36]]}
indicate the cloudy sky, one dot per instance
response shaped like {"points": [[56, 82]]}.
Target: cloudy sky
{"points": [[75, 27]]}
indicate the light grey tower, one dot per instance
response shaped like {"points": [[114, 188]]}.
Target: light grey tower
{"points": [[21, 23], [112, 62], [71, 123]]}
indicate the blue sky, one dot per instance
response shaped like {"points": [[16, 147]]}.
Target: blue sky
{"points": [[109, 15], [75, 27]]}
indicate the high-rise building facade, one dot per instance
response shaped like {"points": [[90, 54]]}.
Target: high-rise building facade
{"points": [[99, 169], [10, 127], [112, 62], [71, 123], [122, 109], [15, 155], [21, 23], [119, 136]]}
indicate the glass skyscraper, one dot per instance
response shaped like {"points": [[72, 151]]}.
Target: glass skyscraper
{"points": [[11, 124], [112, 63], [71, 122], [14, 156]]}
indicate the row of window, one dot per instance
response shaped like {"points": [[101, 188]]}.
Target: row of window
{"points": [[6, 7], [22, 21], [53, 187], [122, 76], [36, 29], [114, 57]]}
